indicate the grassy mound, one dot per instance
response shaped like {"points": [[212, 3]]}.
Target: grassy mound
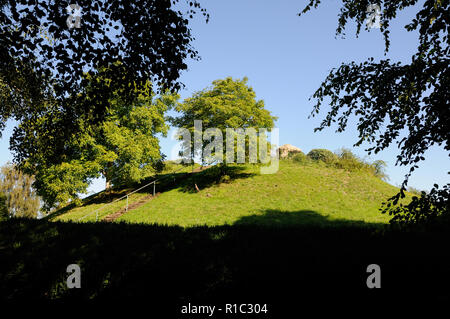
{"points": [[300, 193], [331, 232]]}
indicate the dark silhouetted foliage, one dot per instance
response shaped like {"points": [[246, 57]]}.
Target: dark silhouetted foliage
{"points": [[428, 210], [254, 259], [43, 61], [390, 98]]}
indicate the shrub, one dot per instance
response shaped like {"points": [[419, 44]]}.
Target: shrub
{"points": [[344, 159], [292, 153], [300, 157], [345, 153], [347, 160], [322, 155]]}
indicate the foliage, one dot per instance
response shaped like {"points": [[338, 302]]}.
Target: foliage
{"points": [[124, 148], [21, 198], [130, 133], [322, 155], [347, 154], [428, 210], [291, 154], [43, 62], [389, 98], [4, 214], [214, 262], [227, 104], [300, 157], [347, 160], [380, 169], [343, 159]]}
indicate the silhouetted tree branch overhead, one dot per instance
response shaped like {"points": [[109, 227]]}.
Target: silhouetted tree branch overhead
{"points": [[388, 98], [42, 60]]}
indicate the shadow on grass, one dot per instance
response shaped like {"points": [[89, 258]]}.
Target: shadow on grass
{"points": [[242, 263], [274, 218], [214, 175]]}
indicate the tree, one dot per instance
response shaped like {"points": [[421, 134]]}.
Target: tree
{"points": [[123, 148], [388, 98], [227, 104], [43, 59], [20, 196], [4, 214], [130, 135], [380, 169]]}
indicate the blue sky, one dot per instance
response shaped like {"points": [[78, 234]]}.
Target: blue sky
{"points": [[286, 57]]}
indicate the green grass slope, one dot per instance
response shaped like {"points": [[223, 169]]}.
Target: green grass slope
{"points": [[298, 194], [102, 204]]}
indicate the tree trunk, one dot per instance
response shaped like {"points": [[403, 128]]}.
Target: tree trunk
{"points": [[108, 185], [107, 175]]}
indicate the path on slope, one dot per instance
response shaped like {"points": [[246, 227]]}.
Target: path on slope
{"points": [[112, 217]]}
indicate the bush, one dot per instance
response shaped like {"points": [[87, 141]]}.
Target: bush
{"points": [[344, 159], [300, 157], [292, 153], [349, 161], [346, 154], [322, 155]]}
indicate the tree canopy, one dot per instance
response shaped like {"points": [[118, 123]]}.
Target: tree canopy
{"points": [[123, 148], [389, 98], [18, 193], [43, 60], [228, 103], [4, 215]]}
